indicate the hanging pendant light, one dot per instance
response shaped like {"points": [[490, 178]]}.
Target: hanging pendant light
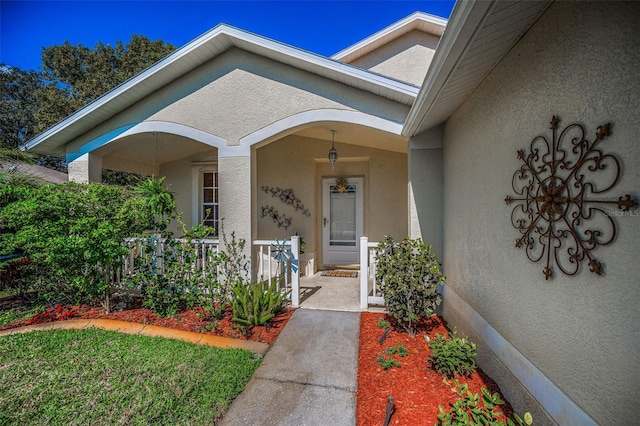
{"points": [[333, 154]]}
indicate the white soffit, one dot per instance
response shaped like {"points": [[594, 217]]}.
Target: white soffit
{"points": [[478, 36], [198, 52], [417, 21]]}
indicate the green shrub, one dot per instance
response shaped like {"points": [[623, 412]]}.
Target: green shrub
{"points": [[163, 299], [467, 410], [252, 305], [408, 273], [399, 349], [73, 235], [454, 356], [387, 363], [382, 323]]}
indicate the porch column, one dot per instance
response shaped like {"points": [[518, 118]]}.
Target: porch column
{"points": [[426, 219], [86, 168], [234, 196]]}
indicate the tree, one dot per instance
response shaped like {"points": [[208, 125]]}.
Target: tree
{"points": [[75, 75], [18, 105]]}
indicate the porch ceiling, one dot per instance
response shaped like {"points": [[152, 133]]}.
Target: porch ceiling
{"points": [[358, 135], [146, 148]]}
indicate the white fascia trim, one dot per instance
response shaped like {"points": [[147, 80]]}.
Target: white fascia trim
{"points": [[466, 18], [416, 16], [290, 124], [555, 402]]}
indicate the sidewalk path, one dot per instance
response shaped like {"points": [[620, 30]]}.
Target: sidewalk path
{"points": [[308, 377]]}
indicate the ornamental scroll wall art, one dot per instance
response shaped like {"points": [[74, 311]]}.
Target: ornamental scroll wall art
{"points": [[281, 220], [561, 213], [287, 196]]}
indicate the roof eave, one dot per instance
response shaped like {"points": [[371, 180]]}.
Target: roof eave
{"points": [[219, 39], [399, 28], [465, 19], [474, 29]]}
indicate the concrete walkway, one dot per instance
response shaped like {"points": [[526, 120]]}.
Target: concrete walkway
{"points": [[308, 377]]}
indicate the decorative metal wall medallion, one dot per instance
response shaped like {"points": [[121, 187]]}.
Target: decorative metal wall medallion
{"points": [[560, 212]]}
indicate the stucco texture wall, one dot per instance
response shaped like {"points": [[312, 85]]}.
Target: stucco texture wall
{"points": [[299, 163], [580, 61], [238, 93], [406, 58]]}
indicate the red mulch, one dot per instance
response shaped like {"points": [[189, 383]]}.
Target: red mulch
{"points": [[416, 389], [188, 320]]}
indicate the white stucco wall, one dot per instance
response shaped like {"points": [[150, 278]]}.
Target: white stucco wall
{"points": [[406, 58], [580, 61]]}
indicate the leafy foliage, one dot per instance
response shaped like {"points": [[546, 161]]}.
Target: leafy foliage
{"points": [[170, 275], [399, 349], [75, 75], [467, 410], [73, 235], [454, 356], [252, 305], [161, 202], [387, 363], [409, 274], [18, 105]]}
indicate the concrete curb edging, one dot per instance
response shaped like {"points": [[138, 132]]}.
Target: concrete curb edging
{"points": [[144, 330]]}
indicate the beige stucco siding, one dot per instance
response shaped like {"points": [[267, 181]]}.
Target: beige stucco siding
{"points": [[406, 58], [299, 163], [580, 62], [239, 93]]}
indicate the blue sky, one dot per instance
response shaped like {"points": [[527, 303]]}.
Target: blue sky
{"points": [[323, 27]]}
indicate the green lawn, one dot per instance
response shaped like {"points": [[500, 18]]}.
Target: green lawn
{"points": [[80, 377]]}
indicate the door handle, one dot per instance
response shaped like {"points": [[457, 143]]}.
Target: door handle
{"points": [[325, 222]]}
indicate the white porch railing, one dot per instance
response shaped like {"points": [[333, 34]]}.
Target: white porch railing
{"points": [[369, 289], [150, 253], [280, 259]]}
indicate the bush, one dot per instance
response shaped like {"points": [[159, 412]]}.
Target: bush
{"points": [[73, 235], [252, 305], [408, 273], [467, 410], [172, 278], [454, 356]]}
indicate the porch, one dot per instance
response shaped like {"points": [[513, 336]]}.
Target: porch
{"points": [[352, 290]]}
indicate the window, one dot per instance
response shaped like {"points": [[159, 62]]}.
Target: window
{"points": [[209, 196]]}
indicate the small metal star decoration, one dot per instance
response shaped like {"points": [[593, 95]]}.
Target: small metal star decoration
{"points": [[560, 211]]}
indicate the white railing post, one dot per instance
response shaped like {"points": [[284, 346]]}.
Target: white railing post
{"points": [[364, 273], [295, 273]]}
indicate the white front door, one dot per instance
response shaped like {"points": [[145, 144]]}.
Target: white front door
{"points": [[342, 223]]}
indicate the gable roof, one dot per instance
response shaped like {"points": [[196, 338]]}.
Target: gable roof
{"points": [[479, 34], [199, 51], [416, 21]]}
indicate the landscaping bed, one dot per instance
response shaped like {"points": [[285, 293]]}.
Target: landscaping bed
{"points": [[195, 319], [416, 388]]}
